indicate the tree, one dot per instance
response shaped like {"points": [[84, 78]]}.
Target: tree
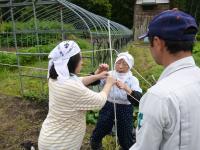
{"points": [[122, 11], [100, 7], [190, 6]]}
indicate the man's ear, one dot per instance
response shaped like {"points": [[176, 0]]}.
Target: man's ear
{"points": [[156, 40], [159, 43]]}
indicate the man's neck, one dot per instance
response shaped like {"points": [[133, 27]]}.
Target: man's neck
{"points": [[171, 58]]}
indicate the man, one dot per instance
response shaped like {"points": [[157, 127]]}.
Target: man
{"points": [[169, 113]]}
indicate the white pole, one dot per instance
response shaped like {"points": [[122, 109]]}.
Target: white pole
{"points": [[112, 68], [110, 45]]}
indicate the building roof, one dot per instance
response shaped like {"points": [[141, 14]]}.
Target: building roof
{"points": [[152, 1]]}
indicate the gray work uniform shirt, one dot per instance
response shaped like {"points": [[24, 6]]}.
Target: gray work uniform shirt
{"points": [[169, 113]]}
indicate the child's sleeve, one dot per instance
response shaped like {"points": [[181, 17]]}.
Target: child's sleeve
{"points": [[135, 86], [102, 82]]}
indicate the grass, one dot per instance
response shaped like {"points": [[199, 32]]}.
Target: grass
{"points": [[9, 82]]}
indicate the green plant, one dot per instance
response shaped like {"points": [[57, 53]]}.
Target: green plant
{"points": [[196, 48], [92, 116], [30, 39], [109, 143], [8, 58], [198, 37], [83, 44], [35, 97], [11, 58], [30, 25]]}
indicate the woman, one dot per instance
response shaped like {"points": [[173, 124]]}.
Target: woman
{"points": [[69, 99]]}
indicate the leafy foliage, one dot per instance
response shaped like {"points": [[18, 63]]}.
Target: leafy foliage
{"points": [[100, 7], [122, 11], [92, 116], [11, 58], [30, 39], [190, 6]]}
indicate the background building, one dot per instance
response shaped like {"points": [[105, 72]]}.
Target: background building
{"points": [[144, 10]]}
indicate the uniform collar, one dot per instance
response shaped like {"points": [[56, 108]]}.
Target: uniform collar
{"points": [[177, 65]]}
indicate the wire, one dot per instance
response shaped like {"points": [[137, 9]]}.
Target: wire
{"points": [[142, 77], [35, 68], [134, 98]]}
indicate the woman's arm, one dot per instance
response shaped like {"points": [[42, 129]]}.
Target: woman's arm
{"points": [[100, 73], [93, 79], [89, 99]]}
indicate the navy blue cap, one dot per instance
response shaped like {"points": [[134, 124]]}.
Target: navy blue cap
{"points": [[172, 25]]}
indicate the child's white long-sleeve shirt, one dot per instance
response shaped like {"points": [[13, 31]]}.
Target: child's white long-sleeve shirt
{"points": [[119, 96]]}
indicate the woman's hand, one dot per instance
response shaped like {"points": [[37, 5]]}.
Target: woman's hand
{"points": [[110, 80], [123, 86], [102, 75], [102, 67]]}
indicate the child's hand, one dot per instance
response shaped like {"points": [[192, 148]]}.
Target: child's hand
{"points": [[102, 67], [123, 86]]}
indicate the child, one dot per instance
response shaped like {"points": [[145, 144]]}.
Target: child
{"points": [[126, 85]]}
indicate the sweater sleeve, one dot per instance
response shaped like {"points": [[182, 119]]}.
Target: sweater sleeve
{"points": [[97, 82], [90, 100]]}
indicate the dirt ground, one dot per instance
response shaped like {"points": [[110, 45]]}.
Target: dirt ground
{"points": [[21, 120]]}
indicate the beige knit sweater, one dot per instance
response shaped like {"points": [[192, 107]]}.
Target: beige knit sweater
{"points": [[65, 125]]}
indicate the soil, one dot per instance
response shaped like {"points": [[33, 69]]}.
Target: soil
{"points": [[21, 122]]}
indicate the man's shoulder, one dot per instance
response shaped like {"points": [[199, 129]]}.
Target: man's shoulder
{"points": [[158, 91], [176, 82]]}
